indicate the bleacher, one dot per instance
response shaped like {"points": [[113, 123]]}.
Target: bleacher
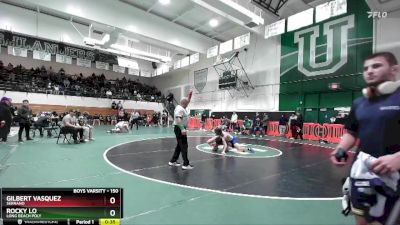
{"points": [[40, 80]]}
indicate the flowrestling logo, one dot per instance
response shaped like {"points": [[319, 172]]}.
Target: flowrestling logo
{"points": [[377, 15]]}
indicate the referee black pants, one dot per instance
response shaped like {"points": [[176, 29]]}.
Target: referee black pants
{"points": [[135, 121], [181, 147]]}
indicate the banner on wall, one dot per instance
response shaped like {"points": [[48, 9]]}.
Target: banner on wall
{"points": [[30, 43], [200, 79], [102, 65], [41, 56], [213, 51], [185, 61], [83, 63], [241, 41], [118, 69], [194, 58], [347, 38], [105, 57], [177, 64], [274, 29], [338, 52], [145, 73], [15, 51], [63, 59], [133, 71], [322, 53]]}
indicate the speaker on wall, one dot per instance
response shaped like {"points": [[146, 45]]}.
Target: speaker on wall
{"points": [[154, 65]]}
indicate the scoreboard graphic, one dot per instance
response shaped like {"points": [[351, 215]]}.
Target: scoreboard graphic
{"points": [[70, 206]]}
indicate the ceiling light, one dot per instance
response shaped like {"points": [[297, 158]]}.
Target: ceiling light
{"points": [[74, 10], [131, 28], [116, 51], [233, 11], [140, 53], [66, 38], [133, 40], [164, 2], [213, 22], [176, 42], [106, 38], [91, 41]]}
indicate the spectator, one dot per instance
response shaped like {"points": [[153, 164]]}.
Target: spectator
{"points": [[51, 71], [247, 124], [119, 105], [114, 119], [164, 118], [25, 115], [265, 121], [224, 123], [54, 118], [109, 94], [121, 114], [66, 83], [69, 125], [114, 105], [62, 71], [101, 118], [5, 118], [43, 69], [11, 76], [155, 119], [299, 126], [148, 120], [257, 125], [42, 121], [87, 129], [203, 120], [56, 89], [108, 120], [332, 119], [40, 80], [10, 67], [234, 119], [292, 125], [282, 125]]}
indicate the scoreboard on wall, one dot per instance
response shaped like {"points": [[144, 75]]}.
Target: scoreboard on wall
{"points": [[70, 206]]}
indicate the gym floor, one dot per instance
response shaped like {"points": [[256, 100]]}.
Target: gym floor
{"points": [[281, 182]]}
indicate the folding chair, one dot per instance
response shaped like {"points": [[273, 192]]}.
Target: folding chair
{"points": [[65, 135], [51, 129], [33, 130]]}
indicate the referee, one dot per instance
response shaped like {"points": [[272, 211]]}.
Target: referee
{"points": [[181, 118]]}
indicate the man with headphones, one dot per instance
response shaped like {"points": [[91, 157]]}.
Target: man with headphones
{"points": [[375, 120]]}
